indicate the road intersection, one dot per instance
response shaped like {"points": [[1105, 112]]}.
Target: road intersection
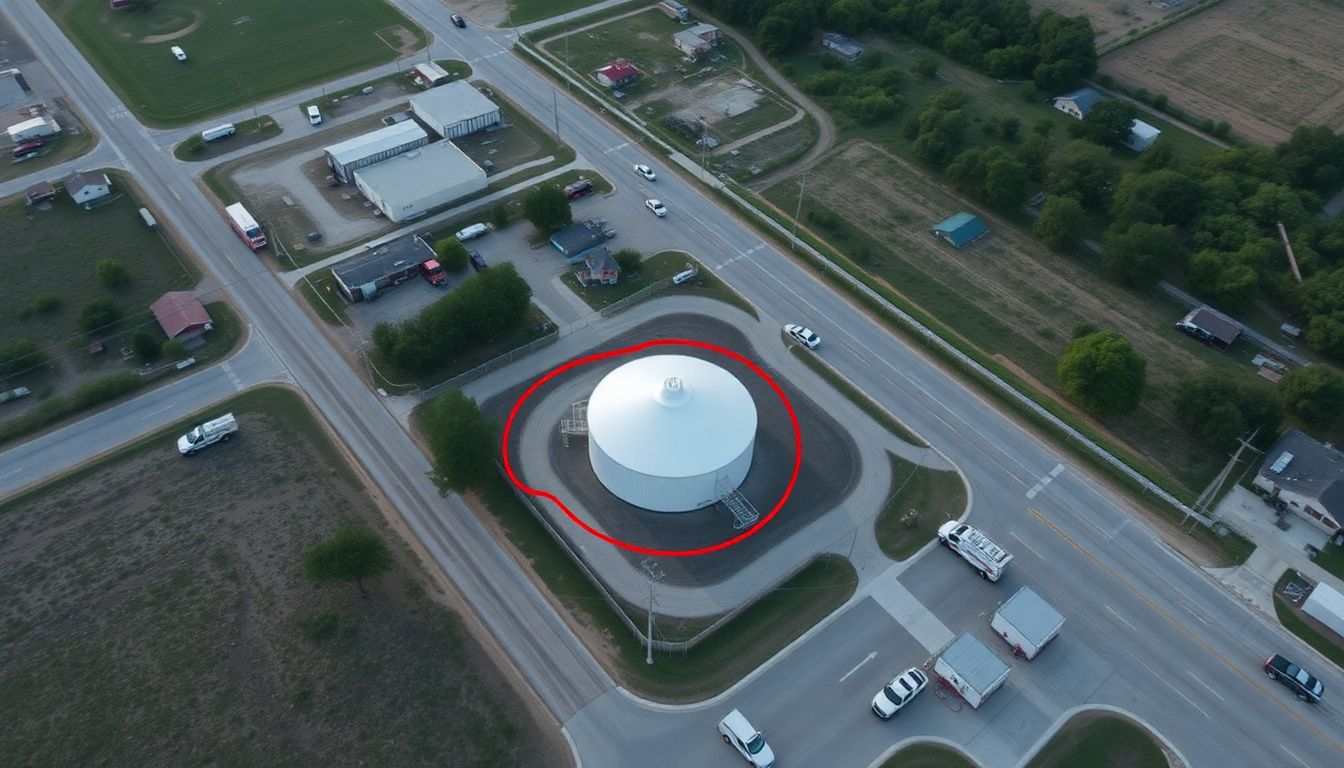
{"points": [[1148, 632]]}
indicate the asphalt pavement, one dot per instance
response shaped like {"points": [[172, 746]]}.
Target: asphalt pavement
{"points": [[1147, 631]]}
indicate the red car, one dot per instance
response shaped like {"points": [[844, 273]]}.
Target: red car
{"points": [[432, 272], [28, 148], [578, 189]]}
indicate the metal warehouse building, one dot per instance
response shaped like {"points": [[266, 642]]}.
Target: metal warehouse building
{"points": [[365, 150], [411, 184], [455, 109], [385, 266]]}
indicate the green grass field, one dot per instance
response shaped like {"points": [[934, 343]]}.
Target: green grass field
{"points": [[1100, 740], [239, 52], [936, 496], [254, 131], [928, 756], [55, 252], [659, 266], [58, 150]]}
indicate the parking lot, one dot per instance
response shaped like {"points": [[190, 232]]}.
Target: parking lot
{"points": [[74, 139]]}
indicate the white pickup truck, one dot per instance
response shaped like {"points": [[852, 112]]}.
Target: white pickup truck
{"points": [[986, 557], [207, 434]]}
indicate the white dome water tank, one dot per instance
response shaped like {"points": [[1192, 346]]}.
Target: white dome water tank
{"points": [[669, 432]]}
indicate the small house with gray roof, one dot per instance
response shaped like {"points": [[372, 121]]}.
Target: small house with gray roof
{"points": [[1305, 477]]}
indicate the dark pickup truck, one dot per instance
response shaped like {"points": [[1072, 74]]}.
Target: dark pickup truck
{"points": [[1296, 678]]}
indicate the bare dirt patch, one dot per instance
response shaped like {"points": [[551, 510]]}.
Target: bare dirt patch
{"points": [[1264, 66], [153, 613], [197, 18], [1112, 19], [400, 38]]}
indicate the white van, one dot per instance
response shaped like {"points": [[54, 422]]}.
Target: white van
{"points": [[314, 115], [472, 232], [218, 132], [211, 432], [178, 53]]}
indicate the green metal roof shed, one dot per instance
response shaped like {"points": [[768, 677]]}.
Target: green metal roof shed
{"points": [[961, 229]]}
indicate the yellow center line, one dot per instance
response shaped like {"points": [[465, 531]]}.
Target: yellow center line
{"points": [[1235, 669]]}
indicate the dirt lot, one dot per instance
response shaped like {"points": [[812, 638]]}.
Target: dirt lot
{"points": [[154, 614], [1111, 19], [1006, 294], [1264, 66]]}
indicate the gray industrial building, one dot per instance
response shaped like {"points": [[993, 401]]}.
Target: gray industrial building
{"points": [[385, 266], [411, 184], [455, 109], [577, 240], [369, 148]]}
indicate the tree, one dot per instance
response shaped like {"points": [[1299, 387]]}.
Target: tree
{"points": [[1034, 151], [1009, 127], [1103, 373], [1082, 170], [628, 260], [546, 207], [451, 253], [19, 356], [1160, 154], [851, 17], [926, 67], [100, 315], [786, 26], [499, 216], [1108, 121], [462, 441], [351, 554], [1137, 256], [1011, 61], [1005, 181], [111, 273], [1314, 394], [1273, 203], [1061, 220], [174, 350], [1219, 411], [147, 345], [1065, 49], [47, 302], [1174, 195]]}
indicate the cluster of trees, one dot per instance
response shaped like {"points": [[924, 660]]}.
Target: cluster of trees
{"points": [[1102, 372], [547, 208], [999, 37], [478, 311], [462, 441], [869, 95]]}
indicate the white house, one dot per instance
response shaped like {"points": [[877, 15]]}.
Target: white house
{"points": [[1078, 103], [88, 186], [1305, 477]]}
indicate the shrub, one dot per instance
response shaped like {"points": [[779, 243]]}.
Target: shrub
{"points": [[112, 273], [100, 315], [19, 356], [926, 67], [175, 350], [452, 254], [47, 302], [147, 345], [499, 216], [628, 260]]}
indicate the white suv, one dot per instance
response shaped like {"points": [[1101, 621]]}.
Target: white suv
{"points": [[746, 740]]}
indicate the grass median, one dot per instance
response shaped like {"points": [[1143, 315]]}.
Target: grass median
{"points": [[928, 756], [660, 266], [922, 499], [1101, 740]]}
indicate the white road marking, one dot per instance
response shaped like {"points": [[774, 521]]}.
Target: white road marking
{"points": [[1040, 486], [233, 377], [152, 414], [872, 655], [1191, 611], [7, 474], [1163, 679], [1121, 618], [616, 148], [1025, 544], [1206, 685], [1187, 700], [1295, 757]]}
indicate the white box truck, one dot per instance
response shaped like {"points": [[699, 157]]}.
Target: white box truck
{"points": [[36, 128], [968, 667], [214, 431], [987, 558], [1027, 623]]}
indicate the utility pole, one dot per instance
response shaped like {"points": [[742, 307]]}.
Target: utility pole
{"points": [[1206, 497], [555, 108], [802, 185], [655, 573]]}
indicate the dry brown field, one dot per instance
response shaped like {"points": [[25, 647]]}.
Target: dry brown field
{"points": [[1111, 19], [1264, 66]]}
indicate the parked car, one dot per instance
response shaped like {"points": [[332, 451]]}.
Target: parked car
{"points": [[749, 742], [657, 207], [471, 232], [580, 188], [646, 172], [458, 21], [902, 690], [803, 336], [314, 115], [1297, 679], [178, 53], [477, 261], [27, 149]]}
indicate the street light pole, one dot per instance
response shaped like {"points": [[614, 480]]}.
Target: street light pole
{"points": [[802, 185]]}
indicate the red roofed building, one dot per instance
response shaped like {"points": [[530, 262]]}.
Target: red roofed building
{"points": [[617, 73], [181, 315]]}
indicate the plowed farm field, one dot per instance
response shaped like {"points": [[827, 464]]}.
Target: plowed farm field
{"points": [[1264, 66], [1111, 19]]}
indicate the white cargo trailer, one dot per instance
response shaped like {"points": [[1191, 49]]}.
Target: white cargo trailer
{"points": [[1027, 622], [968, 667], [36, 128], [1326, 605]]}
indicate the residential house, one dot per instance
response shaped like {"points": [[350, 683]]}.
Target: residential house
{"points": [[86, 187], [690, 44], [181, 315], [846, 48], [960, 229], [1302, 476], [41, 192], [1078, 103], [616, 74], [599, 267]]}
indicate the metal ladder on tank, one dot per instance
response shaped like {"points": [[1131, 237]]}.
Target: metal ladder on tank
{"points": [[577, 423], [744, 513]]}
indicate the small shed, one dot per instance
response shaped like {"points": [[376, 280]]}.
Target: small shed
{"points": [[1141, 136], [960, 229], [845, 47], [181, 315], [86, 187], [599, 267], [616, 74], [1078, 103], [1326, 605], [41, 192]]}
